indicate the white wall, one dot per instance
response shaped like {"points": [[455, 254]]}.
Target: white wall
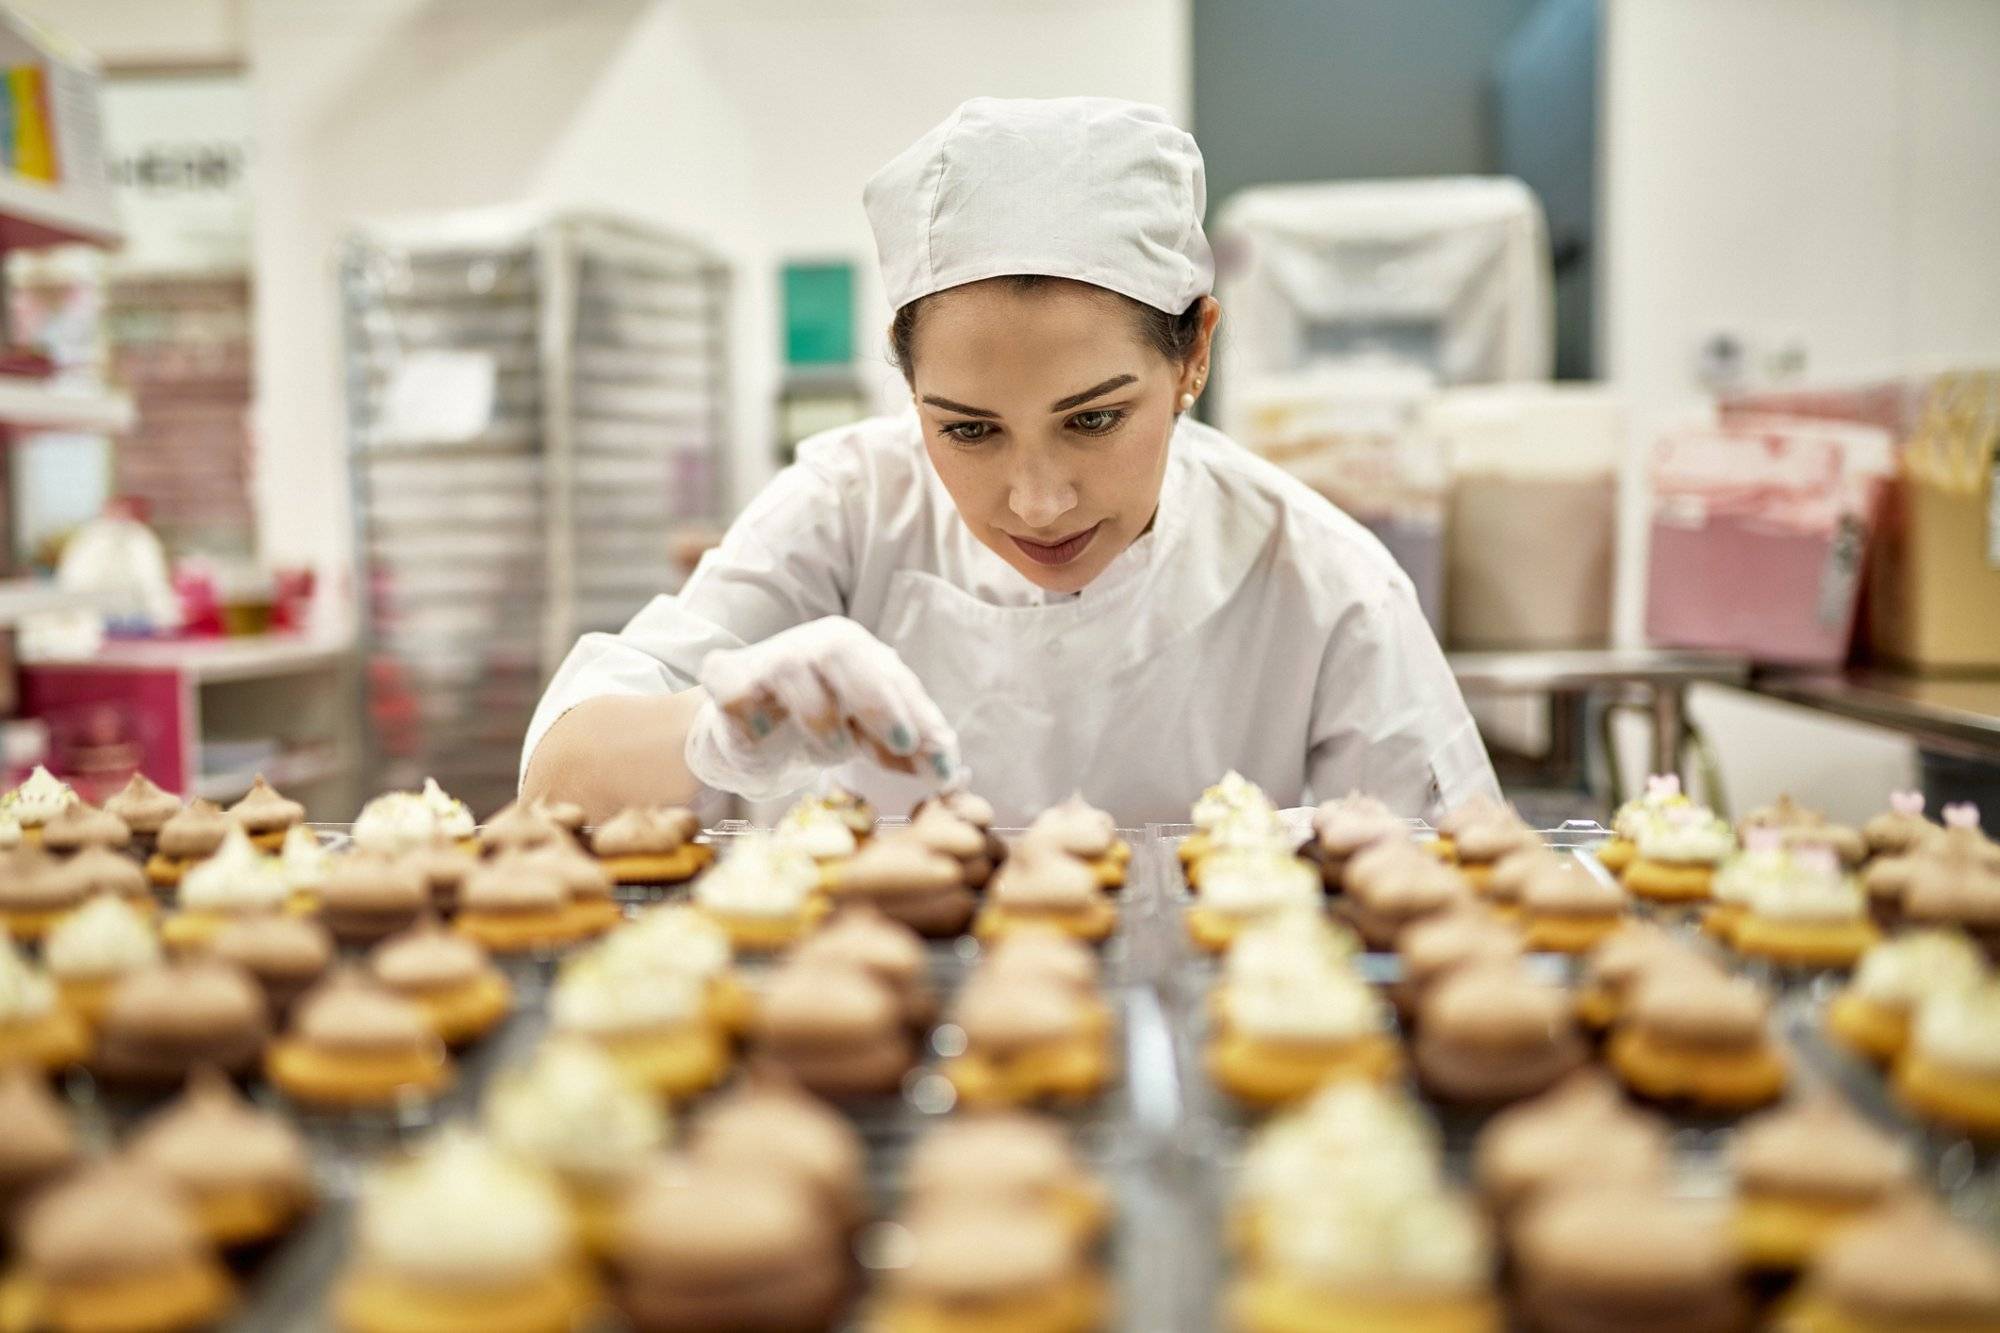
{"points": [[749, 123], [147, 32], [1824, 172]]}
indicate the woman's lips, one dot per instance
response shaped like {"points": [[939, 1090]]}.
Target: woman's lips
{"points": [[1060, 552]]}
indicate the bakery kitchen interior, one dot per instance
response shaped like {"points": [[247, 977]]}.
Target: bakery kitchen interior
{"points": [[753, 666]]}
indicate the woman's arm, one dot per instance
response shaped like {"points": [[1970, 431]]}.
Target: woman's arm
{"points": [[617, 750]]}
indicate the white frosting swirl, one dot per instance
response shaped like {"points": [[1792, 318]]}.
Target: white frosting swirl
{"points": [[1349, 1240], [1824, 899], [1903, 972], [1701, 840], [1234, 795], [39, 799], [817, 830], [306, 862], [1326, 1007], [1961, 1029], [1259, 828], [1243, 883], [670, 938], [1744, 873], [1285, 945], [10, 831], [760, 877], [396, 822], [452, 816], [238, 878], [25, 993], [1380, 1139], [106, 937], [462, 1212], [594, 1001], [573, 1112]]}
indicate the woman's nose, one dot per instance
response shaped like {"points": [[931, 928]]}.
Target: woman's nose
{"points": [[1040, 496]]}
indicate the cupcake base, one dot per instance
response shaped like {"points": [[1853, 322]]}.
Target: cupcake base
{"points": [[1804, 943], [1866, 1028], [1068, 1071], [1617, 854], [673, 1064], [467, 1012], [1780, 1234], [554, 1302], [1093, 925], [1719, 922], [1665, 882], [1080, 1304], [730, 1006], [165, 871], [515, 932], [1968, 1102], [1555, 933], [675, 867], [351, 1081], [245, 1216], [31, 924], [183, 1298], [770, 934], [53, 1041], [587, 918], [1268, 1303], [1212, 931], [1268, 1073], [1716, 1079]]}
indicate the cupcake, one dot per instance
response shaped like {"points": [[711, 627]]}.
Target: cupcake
{"points": [[523, 827], [590, 909], [510, 905], [938, 829], [852, 809], [451, 817], [566, 815], [835, 1029], [1235, 803], [653, 1025], [1802, 827], [1901, 1270], [35, 893], [1614, 967], [886, 949], [908, 881], [38, 1142], [397, 822], [1479, 809], [99, 871], [354, 1045], [1872, 1016], [90, 950], [36, 1029], [771, 1125], [243, 1170], [571, 1112], [36, 801], [164, 1022], [978, 812], [1394, 885], [1291, 1032], [1817, 917], [1008, 1157], [977, 1264], [1956, 887], [266, 815], [1532, 1148], [1241, 887], [1663, 793], [306, 863], [651, 845], [1501, 897], [447, 976], [1566, 909], [81, 824], [1591, 1258], [1900, 828], [1887, 879], [1409, 1261], [145, 808], [368, 897], [1762, 860], [1695, 1036], [677, 938], [1260, 831], [1493, 1033], [1048, 957], [1345, 828], [1805, 1173], [1042, 886], [117, 1247], [1480, 844], [462, 1237], [444, 868], [1678, 856], [190, 836], [712, 1246], [764, 894], [1439, 946], [285, 955], [1276, 951], [1950, 1073], [237, 881], [1087, 833], [814, 829], [1024, 1044]]}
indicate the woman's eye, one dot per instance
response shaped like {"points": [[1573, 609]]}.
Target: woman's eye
{"points": [[966, 432], [1097, 421]]}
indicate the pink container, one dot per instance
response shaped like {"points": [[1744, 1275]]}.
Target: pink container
{"points": [[1759, 534]]}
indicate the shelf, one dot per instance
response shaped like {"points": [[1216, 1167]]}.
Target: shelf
{"points": [[281, 771], [32, 213], [34, 405], [210, 661], [28, 597]]}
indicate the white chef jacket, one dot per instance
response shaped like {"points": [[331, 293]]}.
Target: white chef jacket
{"points": [[1253, 627]]}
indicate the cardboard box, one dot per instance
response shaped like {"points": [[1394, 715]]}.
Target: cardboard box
{"points": [[1934, 581]]}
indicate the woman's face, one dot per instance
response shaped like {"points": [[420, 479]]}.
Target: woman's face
{"points": [[1047, 417]]}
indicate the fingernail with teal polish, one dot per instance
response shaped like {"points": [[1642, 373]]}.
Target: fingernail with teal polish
{"points": [[900, 739], [942, 765], [760, 722]]}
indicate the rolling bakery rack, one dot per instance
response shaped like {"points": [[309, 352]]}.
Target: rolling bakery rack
{"points": [[535, 403]]}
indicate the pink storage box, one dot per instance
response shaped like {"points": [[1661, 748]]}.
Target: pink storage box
{"points": [[1759, 536]]}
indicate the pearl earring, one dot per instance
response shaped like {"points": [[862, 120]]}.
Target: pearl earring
{"points": [[1187, 402]]}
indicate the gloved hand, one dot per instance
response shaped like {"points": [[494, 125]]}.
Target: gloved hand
{"points": [[804, 700]]}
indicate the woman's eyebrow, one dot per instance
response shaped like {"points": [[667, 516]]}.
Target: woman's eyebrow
{"points": [[950, 406], [1078, 399]]}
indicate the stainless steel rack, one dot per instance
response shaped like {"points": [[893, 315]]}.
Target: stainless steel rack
{"points": [[583, 360]]}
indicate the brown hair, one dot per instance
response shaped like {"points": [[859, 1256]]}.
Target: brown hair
{"points": [[1172, 336]]}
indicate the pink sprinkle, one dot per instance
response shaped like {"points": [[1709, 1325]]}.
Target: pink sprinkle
{"points": [[1907, 802], [1684, 816], [1819, 860], [1663, 786], [1763, 840], [1963, 814]]}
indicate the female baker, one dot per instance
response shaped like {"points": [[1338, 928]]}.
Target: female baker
{"points": [[1043, 573]]}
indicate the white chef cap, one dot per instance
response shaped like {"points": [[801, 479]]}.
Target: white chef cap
{"points": [[1091, 188]]}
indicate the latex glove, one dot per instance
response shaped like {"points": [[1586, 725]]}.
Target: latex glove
{"points": [[804, 700]]}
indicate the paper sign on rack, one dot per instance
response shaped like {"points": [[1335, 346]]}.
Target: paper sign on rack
{"points": [[437, 397]]}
